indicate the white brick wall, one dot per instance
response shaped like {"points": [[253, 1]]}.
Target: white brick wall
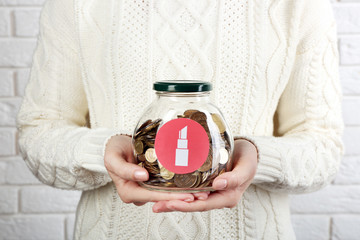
{"points": [[332, 213]]}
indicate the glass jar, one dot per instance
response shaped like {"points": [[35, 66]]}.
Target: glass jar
{"points": [[182, 139]]}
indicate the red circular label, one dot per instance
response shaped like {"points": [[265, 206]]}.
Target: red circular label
{"points": [[182, 145]]}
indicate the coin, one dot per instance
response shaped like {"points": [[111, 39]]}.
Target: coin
{"points": [[218, 121], [147, 122], [141, 157], [186, 180], [152, 125], [150, 142], [205, 184], [139, 147], [224, 156], [205, 176], [150, 155], [166, 174], [198, 116], [198, 180], [188, 112], [152, 169], [204, 124], [208, 163]]}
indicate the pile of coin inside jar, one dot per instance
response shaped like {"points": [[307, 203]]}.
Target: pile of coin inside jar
{"points": [[216, 163]]}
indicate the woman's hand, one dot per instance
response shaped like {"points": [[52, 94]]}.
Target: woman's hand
{"points": [[230, 186], [123, 170]]}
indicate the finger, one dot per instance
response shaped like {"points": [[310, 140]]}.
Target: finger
{"points": [[215, 201], [139, 203], [201, 195], [131, 192], [230, 180], [125, 170], [243, 171]]}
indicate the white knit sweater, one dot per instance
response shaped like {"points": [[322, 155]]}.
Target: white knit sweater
{"points": [[92, 77]]}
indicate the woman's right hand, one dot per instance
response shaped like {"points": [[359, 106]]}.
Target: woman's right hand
{"points": [[123, 170]]}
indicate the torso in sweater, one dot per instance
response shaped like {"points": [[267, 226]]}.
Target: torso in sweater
{"points": [[260, 56]]}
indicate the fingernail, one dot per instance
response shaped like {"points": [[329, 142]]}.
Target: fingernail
{"points": [[221, 184], [139, 175], [201, 198], [188, 200]]}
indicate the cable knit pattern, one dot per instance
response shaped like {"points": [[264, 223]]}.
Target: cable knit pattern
{"points": [[92, 77]]}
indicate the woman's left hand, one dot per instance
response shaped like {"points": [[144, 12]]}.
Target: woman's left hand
{"points": [[229, 186]]}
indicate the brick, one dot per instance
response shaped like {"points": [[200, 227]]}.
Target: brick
{"points": [[350, 50], [18, 173], [2, 171], [351, 140], [350, 80], [70, 223], [22, 78], [351, 113], [16, 53], [311, 227], [6, 83], [32, 227], [332, 199], [8, 111], [21, 2], [347, 18], [27, 22], [8, 200], [47, 199], [5, 24], [346, 227], [349, 171], [7, 141]]}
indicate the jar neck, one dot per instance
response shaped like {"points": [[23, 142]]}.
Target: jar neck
{"points": [[185, 96]]}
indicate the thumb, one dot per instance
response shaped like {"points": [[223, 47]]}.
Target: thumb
{"points": [[243, 171]]}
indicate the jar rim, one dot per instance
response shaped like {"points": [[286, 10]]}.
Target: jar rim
{"points": [[182, 86]]}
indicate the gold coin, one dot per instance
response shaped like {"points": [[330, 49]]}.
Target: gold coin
{"points": [[166, 174], [141, 157], [204, 124], [205, 184], [188, 112], [186, 180], [208, 163], [152, 169], [150, 142], [147, 122], [206, 166], [224, 156], [159, 164], [150, 155], [205, 176], [219, 122], [139, 147], [153, 125], [198, 180], [198, 116]]}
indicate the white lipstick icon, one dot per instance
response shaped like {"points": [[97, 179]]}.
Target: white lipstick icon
{"points": [[182, 151]]}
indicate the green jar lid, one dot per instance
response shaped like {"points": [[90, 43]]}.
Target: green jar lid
{"points": [[182, 86]]}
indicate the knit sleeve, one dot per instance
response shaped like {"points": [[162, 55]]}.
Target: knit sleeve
{"points": [[307, 154], [54, 139]]}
